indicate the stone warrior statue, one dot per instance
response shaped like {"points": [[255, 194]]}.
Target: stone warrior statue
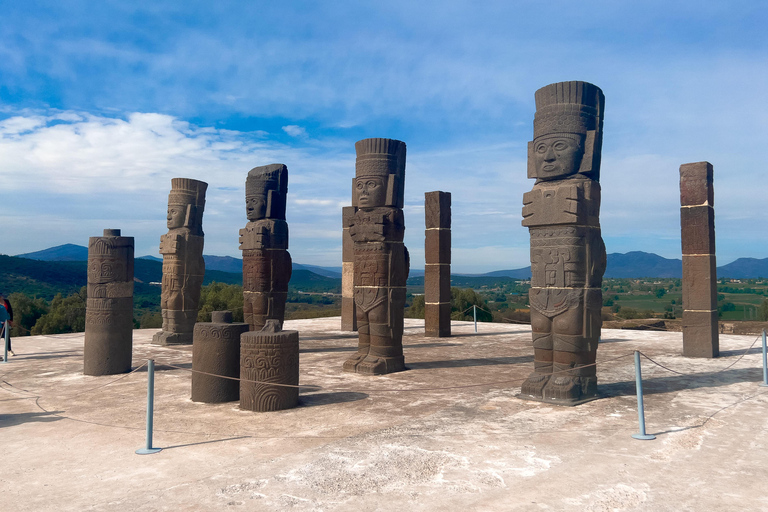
{"points": [[264, 242], [381, 259], [183, 265], [567, 253]]}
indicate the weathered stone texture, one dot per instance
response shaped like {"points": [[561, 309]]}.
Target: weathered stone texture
{"points": [[108, 346], [381, 260], [183, 264], [267, 264], [437, 269], [348, 309], [269, 357], [567, 251], [697, 226], [216, 350]]}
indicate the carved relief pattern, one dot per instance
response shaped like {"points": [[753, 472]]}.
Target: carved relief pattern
{"points": [[183, 264], [267, 263], [567, 251], [269, 357], [109, 306], [376, 228]]}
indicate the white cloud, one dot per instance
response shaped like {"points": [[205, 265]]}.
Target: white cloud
{"points": [[295, 130]]}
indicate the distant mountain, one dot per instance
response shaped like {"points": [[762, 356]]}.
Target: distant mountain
{"points": [[223, 263], [744, 268], [642, 264], [634, 264], [66, 252]]}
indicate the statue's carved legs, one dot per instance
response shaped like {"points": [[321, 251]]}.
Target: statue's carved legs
{"points": [[363, 345], [574, 376], [380, 334], [542, 356]]}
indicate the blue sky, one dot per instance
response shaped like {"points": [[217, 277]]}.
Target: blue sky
{"points": [[102, 103]]}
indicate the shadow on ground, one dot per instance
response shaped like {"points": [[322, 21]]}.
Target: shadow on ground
{"points": [[661, 385]]}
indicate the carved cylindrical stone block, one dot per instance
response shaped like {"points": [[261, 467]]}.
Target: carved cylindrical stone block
{"points": [[269, 358], [437, 270], [216, 350], [697, 226], [109, 309]]}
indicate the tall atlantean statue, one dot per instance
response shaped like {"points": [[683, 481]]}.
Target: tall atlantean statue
{"points": [[109, 308], [183, 265], [264, 242], [567, 252], [381, 259]]}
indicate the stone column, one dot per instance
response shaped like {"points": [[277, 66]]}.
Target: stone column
{"points": [[437, 271], [381, 259], [267, 264], [697, 224], [269, 356], [108, 346], [348, 313], [183, 264], [562, 214], [216, 350]]}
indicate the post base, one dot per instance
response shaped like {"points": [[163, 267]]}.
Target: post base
{"points": [[643, 437], [147, 451]]}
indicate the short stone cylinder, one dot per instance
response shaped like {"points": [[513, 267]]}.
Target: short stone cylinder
{"points": [[269, 357], [216, 350]]}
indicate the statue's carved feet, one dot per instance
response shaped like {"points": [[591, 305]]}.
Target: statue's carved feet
{"points": [[350, 365], [566, 388], [374, 365], [534, 384]]}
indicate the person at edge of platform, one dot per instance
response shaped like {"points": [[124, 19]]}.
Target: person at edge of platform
{"points": [[7, 316]]}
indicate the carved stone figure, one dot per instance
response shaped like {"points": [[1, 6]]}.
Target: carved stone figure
{"points": [[269, 356], [381, 260], [348, 308], [264, 242], [216, 350], [567, 252], [701, 337], [108, 346], [183, 265], [437, 271]]}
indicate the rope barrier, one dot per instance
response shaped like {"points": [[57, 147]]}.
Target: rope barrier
{"points": [[718, 371]]}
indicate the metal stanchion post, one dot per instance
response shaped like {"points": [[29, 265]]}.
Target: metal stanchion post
{"points": [[474, 313], [765, 364], [150, 405], [640, 410]]}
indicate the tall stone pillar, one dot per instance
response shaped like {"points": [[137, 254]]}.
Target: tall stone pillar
{"points": [[348, 313], [697, 224], [437, 271], [381, 259], [567, 252], [183, 264], [108, 346], [267, 264]]}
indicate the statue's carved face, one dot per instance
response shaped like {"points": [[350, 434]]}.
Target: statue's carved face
{"points": [[176, 216], [371, 192], [558, 156], [256, 207]]}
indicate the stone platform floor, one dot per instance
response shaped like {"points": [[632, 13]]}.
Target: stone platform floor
{"points": [[416, 440]]}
